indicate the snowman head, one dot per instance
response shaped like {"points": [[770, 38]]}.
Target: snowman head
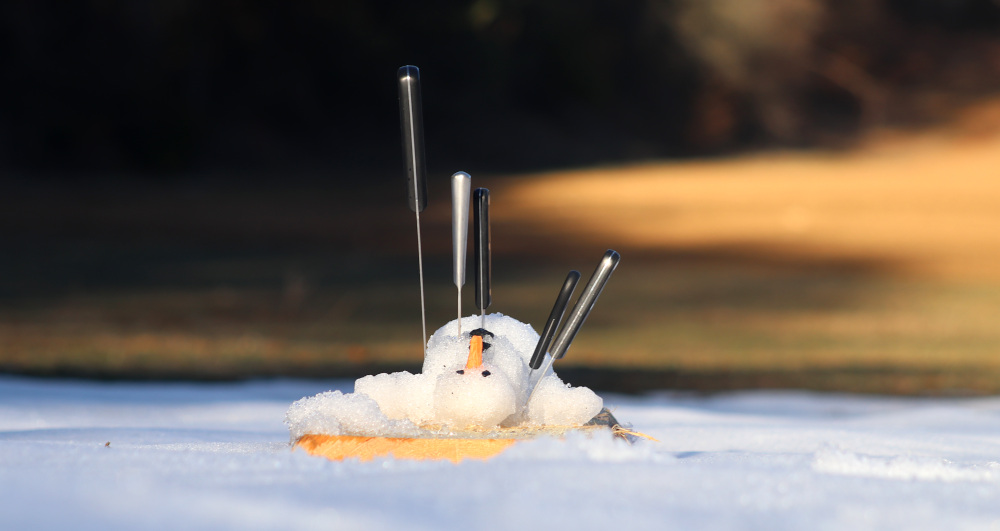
{"points": [[473, 395]]}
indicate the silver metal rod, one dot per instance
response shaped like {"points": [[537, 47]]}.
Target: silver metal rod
{"points": [[411, 125], [420, 267], [481, 242], [461, 195], [555, 317], [585, 304], [577, 316]]}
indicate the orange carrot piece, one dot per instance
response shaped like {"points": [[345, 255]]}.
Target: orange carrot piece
{"points": [[475, 353]]}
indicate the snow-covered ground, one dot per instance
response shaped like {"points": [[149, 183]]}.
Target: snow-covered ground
{"points": [[216, 456]]}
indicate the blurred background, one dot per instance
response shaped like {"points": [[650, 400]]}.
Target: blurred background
{"points": [[804, 192]]}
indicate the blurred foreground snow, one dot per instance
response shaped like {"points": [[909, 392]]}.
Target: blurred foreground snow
{"points": [[216, 456]]}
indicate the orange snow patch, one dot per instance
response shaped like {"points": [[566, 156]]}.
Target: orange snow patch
{"points": [[340, 447]]}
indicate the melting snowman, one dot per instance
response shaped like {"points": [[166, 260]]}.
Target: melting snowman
{"points": [[475, 383]]}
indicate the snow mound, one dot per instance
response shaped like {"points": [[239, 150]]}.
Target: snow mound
{"points": [[558, 404], [350, 414]]}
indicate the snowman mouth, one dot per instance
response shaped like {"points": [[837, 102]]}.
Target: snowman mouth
{"points": [[484, 373]]}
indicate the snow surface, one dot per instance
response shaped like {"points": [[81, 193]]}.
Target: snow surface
{"points": [[216, 456]]}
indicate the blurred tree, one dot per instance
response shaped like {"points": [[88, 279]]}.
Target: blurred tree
{"points": [[174, 86]]}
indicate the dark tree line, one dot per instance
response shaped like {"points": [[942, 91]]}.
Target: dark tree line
{"points": [[171, 86]]}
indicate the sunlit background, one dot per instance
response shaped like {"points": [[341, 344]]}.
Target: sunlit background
{"points": [[804, 192]]}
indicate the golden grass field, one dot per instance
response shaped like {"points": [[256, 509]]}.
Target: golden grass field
{"points": [[875, 268], [887, 256]]}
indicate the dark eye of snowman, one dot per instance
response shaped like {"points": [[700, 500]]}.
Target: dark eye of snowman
{"points": [[460, 371], [486, 373]]}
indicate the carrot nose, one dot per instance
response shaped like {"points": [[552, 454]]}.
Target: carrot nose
{"points": [[475, 353]]}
